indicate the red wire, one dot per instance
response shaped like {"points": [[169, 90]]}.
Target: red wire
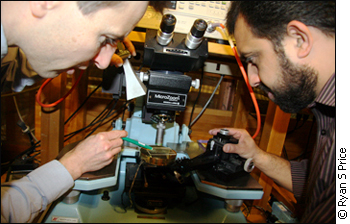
{"points": [[37, 97], [249, 88]]}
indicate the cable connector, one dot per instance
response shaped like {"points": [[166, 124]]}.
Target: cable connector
{"points": [[23, 126], [212, 26], [26, 129]]}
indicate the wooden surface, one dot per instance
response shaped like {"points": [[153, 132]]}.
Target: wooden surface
{"points": [[241, 104], [272, 140], [210, 119], [52, 119]]}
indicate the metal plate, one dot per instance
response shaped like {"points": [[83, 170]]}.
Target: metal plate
{"points": [[159, 156]]}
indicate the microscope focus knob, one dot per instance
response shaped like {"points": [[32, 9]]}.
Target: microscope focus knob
{"points": [[196, 83], [144, 77]]}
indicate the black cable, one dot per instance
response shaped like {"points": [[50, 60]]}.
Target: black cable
{"points": [[296, 127], [102, 114], [114, 105], [141, 66], [195, 102], [208, 101], [32, 157], [110, 115], [251, 114], [82, 104], [92, 124], [36, 145], [31, 149], [122, 201], [121, 107], [285, 152], [28, 151], [70, 135]]}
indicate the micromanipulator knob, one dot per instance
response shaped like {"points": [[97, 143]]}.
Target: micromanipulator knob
{"points": [[195, 83]]}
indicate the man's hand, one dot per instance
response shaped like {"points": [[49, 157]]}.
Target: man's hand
{"points": [[118, 61], [93, 153], [246, 147], [275, 167]]}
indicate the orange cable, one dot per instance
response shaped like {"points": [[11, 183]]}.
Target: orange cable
{"points": [[37, 97], [249, 87], [251, 93]]}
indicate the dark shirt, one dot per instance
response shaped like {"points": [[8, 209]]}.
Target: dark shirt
{"points": [[314, 181]]}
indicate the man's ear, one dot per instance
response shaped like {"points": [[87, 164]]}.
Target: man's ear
{"points": [[302, 36], [40, 8]]}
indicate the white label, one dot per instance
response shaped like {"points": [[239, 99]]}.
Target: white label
{"points": [[64, 219]]}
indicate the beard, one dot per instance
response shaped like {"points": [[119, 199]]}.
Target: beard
{"points": [[297, 86]]}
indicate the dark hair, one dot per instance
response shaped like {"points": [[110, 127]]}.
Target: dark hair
{"points": [[269, 19], [88, 7]]}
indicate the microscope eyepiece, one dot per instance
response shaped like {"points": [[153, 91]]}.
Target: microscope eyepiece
{"points": [[198, 28], [166, 29], [195, 36], [168, 23]]}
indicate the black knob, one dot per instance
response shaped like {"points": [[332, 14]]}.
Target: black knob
{"points": [[105, 196]]}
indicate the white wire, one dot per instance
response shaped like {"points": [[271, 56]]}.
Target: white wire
{"points": [[20, 117], [16, 105]]}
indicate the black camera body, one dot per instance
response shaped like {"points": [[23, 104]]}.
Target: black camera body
{"points": [[215, 161]]}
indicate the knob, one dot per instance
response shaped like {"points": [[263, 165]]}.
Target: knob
{"points": [[105, 196], [195, 83]]}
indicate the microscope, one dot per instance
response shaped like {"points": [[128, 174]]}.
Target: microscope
{"points": [[178, 180]]}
